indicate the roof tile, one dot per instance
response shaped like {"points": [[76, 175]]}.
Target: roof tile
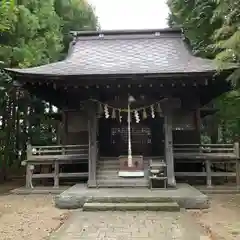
{"points": [[126, 54]]}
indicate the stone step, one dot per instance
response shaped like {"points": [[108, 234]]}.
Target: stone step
{"points": [[129, 199], [160, 206]]}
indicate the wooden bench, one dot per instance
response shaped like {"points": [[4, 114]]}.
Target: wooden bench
{"points": [[208, 154], [54, 156]]}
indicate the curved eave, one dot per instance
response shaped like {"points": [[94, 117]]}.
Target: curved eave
{"points": [[47, 75]]}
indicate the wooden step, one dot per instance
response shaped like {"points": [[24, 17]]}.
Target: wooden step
{"points": [[110, 171], [122, 183], [112, 165], [161, 206], [106, 163], [116, 177]]}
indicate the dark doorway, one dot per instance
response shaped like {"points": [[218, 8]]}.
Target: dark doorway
{"points": [[147, 137]]}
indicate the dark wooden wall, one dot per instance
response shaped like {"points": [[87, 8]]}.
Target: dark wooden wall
{"points": [[147, 136], [77, 128], [185, 128]]}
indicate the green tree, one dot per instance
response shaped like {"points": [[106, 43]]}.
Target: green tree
{"points": [[194, 16], [212, 28], [32, 32], [76, 15], [7, 9], [34, 37], [227, 37]]}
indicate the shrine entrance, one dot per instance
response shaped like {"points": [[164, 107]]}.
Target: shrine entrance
{"points": [[147, 137]]}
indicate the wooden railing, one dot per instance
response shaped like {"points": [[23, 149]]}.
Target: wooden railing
{"points": [[54, 156], [208, 154]]}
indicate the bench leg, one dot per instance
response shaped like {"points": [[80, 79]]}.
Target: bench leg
{"points": [[208, 172], [29, 173], [238, 173], [56, 174]]}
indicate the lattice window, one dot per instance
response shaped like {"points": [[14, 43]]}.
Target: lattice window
{"points": [[139, 135]]}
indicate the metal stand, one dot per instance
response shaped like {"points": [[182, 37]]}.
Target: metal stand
{"points": [[157, 173]]}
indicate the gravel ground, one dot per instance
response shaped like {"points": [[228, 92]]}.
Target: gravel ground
{"points": [[222, 220], [31, 217], [34, 217]]}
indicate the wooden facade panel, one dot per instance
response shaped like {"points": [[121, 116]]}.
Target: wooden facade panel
{"points": [[77, 122], [77, 137], [185, 129], [147, 136], [77, 128], [186, 136]]}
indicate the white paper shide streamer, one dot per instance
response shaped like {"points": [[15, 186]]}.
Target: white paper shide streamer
{"points": [[106, 111], [137, 117], [152, 111]]}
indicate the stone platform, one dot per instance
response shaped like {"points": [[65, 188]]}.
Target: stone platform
{"points": [[185, 195]]}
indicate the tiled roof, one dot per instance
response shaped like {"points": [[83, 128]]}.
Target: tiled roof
{"points": [[141, 52]]}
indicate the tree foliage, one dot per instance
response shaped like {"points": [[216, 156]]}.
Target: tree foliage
{"points": [[32, 33], [75, 15], [194, 17], [212, 28]]}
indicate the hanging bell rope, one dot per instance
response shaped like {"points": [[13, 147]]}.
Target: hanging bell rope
{"points": [[130, 100]]}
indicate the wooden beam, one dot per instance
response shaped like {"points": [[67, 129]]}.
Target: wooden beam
{"points": [[61, 175], [204, 174]]}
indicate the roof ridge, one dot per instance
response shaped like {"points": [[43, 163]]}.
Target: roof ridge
{"points": [[125, 32]]}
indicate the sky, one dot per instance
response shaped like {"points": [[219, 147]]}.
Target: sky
{"points": [[131, 14]]}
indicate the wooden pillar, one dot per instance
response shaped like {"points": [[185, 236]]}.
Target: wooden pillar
{"points": [[92, 138], [169, 149], [64, 130], [56, 174], [197, 116]]}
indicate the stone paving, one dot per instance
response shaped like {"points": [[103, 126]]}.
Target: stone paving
{"points": [[129, 226]]}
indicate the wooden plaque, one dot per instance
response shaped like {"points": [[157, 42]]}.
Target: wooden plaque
{"points": [[137, 163]]}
